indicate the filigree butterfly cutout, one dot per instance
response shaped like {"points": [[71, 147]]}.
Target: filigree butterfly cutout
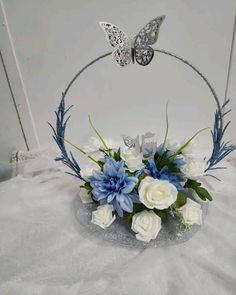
{"points": [[147, 147], [131, 142], [138, 48]]}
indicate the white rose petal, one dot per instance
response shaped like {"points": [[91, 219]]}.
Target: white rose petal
{"points": [[155, 193], [191, 212], [133, 159], [84, 196], [190, 150], [146, 225], [172, 146], [194, 169], [94, 145], [88, 170], [103, 216]]}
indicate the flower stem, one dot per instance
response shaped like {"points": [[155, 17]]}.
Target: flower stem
{"points": [[186, 144], [80, 150], [99, 136], [167, 128]]}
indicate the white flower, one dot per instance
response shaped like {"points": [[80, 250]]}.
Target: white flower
{"points": [[103, 216], [194, 169], [172, 146], [155, 193], [133, 159], [85, 196], [146, 225], [88, 170], [190, 150], [191, 212], [94, 145]]}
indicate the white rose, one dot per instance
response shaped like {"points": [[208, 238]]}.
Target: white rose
{"points": [[133, 159], [88, 170], [146, 225], [85, 196], [194, 169], [191, 212], [103, 216], [155, 193]]}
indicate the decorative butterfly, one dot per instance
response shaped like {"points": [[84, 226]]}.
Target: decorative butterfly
{"points": [[137, 49], [131, 142], [148, 146]]}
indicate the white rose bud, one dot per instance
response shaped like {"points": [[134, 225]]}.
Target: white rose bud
{"points": [[191, 212], [155, 193], [103, 216], [146, 225], [133, 159], [194, 169], [85, 196]]}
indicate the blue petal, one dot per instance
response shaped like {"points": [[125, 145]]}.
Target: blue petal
{"points": [[126, 203]]}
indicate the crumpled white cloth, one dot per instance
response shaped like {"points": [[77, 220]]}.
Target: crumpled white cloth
{"points": [[43, 250]]}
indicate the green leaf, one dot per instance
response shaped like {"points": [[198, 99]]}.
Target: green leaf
{"points": [[116, 155], [181, 200], [141, 177], [201, 191], [192, 184], [87, 186], [161, 213], [162, 161], [101, 164], [138, 207]]}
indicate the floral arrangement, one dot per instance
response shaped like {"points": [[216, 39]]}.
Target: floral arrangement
{"points": [[144, 182]]}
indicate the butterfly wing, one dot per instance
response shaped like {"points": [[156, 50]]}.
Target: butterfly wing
{"points": [[117, 38], [131, 142], [147, 36]]}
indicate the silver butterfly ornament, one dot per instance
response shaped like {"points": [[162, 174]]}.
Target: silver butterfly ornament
{"points": [[138, 48], [148, 144]]}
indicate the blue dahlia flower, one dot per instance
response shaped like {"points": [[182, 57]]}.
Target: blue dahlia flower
{"points": [[164, 174], [114, 186]]}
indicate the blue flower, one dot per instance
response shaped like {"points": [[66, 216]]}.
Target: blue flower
{"points": [[175, 178], [114, 186]]}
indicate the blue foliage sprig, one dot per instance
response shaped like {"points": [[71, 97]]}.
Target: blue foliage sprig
{"points": [[59, 137], [221, 149]]}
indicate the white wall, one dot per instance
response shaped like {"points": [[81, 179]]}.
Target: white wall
{"points": [[53, 39], [10, 131]]}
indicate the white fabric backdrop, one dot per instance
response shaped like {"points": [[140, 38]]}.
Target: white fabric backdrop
{"points": [[44, 251]]}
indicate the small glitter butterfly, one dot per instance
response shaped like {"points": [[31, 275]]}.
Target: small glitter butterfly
{"points": [[138, 48]]}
